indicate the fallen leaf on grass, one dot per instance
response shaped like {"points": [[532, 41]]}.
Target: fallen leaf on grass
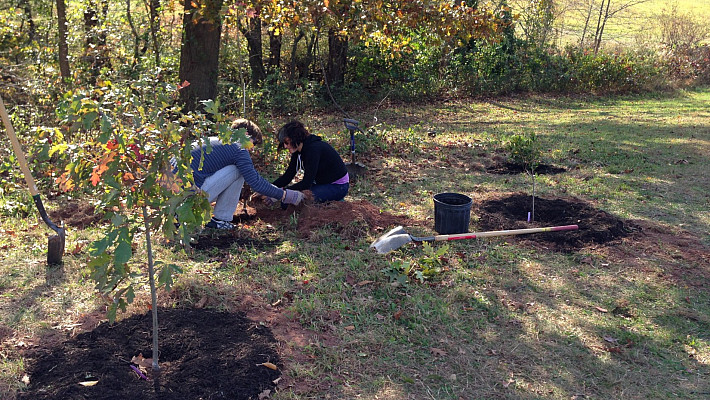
{"points": [[363, 283], [202, 302], [611, 339], [602, 310], [349, 328], [269, 365], [88, 383], [437, 352]]}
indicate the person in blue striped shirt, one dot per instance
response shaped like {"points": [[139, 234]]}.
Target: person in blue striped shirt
{"points": [[224, 171]]}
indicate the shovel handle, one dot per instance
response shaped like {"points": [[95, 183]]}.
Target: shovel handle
{"points": [[475, 235], [18, 150]]}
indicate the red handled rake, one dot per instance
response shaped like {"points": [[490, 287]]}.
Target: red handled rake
{"points": [[398, 237]]}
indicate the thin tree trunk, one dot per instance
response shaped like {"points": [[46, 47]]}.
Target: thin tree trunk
{"points": [[153, 293], [294, 48], [27, 9], [136, 37], [586, 25], [252, 32], [599, 23], [598, 42], [63, 47], [155, 28]]}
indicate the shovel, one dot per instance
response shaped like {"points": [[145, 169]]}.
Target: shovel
{"points": [[56, 242], [398, 237], [355, 169]]}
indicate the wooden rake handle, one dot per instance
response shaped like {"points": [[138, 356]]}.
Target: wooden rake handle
{"points": [[18, 150], [475, 235]]}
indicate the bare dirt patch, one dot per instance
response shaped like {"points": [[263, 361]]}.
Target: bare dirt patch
{"points": [[259, 226], [204, 354], [77, 215]]}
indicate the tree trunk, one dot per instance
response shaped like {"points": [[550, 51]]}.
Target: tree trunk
{"points": [[337, 58], [294, 47], [586, 25], [63, 47], [199, 55], [27, 9], [155, 28], [136, 37], [599, 23], [252, 32], [275, 42], [95, 52], [598, 41]]}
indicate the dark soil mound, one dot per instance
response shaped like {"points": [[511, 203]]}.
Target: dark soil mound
{"points": [[509, 168], [595, 226], [203, 355], [76, 214]]}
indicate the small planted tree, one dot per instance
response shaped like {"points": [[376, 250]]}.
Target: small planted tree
{"points": [[525, 151], [136, 159]]}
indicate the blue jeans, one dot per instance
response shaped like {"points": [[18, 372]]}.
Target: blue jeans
{"points": [[329, 192]]}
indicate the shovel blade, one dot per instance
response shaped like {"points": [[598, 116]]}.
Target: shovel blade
{"points": [[55, 248], [394, 231], [391, 243], [355, 170]]}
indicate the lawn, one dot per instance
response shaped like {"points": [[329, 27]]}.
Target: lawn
{"points": [[507, 318]]}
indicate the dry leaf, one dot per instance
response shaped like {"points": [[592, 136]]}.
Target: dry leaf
{"points": [[277, 380], [88, 383], [26, 379], [363, 283], [603, 310], [266, 393], [140, 361], [269, 365], [349, 328], [202, 302], [437, 352]]}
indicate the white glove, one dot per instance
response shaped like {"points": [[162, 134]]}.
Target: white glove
{"points": [[293, 197]]}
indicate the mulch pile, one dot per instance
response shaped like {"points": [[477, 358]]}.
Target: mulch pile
{"points": [[204, 354]]}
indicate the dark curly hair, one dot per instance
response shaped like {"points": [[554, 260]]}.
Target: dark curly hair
{"points": [[295, 131], [253, 130]]}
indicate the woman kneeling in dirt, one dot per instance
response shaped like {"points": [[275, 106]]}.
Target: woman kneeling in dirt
{"points": [[324, 172], [222, 172]]}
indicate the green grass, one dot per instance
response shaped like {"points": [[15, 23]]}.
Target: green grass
{"points": [[503, 320]]}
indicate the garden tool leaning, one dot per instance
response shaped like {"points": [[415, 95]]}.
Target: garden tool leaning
{"points": [[56, 242]]}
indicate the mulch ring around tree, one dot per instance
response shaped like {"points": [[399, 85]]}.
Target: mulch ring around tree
{"points": [[204, 354], [509, 168], [596, 227]]}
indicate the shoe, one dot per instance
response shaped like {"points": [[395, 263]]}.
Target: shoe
{"points": [[219, 224]]}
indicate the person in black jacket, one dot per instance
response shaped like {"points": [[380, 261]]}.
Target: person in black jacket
{"points": [[324, 172]]}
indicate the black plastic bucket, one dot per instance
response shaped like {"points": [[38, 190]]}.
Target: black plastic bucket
{"points": [[452, 213]]}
